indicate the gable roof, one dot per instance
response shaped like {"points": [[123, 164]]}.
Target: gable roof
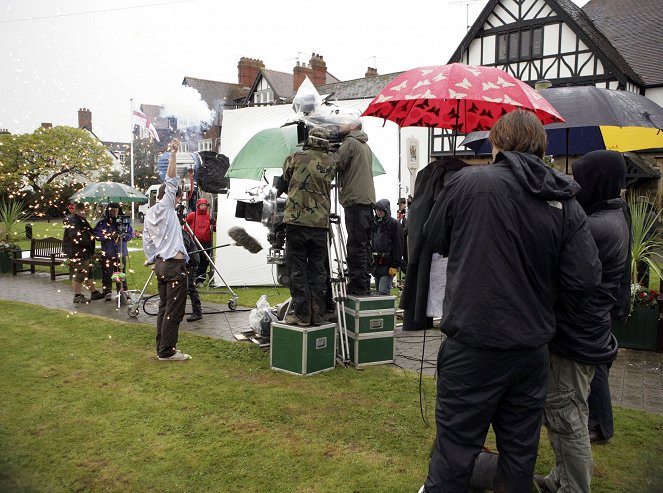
{"points": [[215, 92], [367, 87], [580, 23], [280, 82], [634, 29]]}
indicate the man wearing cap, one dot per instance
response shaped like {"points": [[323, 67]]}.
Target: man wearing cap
{"points": [[113, 236], [202, 225], [309, 174], [357, 196], [78, 245]]}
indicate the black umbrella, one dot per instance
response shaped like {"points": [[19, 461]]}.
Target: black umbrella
{"points": [[596, 118]]}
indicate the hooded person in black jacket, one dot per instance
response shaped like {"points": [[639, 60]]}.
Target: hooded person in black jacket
{"points": [[515, 237], [387, 244], [583, 339]]}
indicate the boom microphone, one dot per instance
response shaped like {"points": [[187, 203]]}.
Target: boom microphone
{"points": [[244, 239]]}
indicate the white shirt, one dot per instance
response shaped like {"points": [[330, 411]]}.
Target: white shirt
{"points": [[162, 233]]}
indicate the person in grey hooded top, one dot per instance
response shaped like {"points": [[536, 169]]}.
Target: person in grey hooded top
{"points": [[514, 236], [583, 340], [357, 195]]}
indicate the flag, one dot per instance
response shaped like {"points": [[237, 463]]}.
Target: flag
{"points": [[139, 118]]}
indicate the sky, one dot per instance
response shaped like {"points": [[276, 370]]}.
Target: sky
{"points": [[57, 56]]}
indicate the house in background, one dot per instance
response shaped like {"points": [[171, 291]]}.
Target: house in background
{"points": [[217, 95], [118, 151], [272, 87], [614, 44], [256, 86]]}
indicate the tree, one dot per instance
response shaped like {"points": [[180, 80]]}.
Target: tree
{"points": [[145, 159], [36, 166]]}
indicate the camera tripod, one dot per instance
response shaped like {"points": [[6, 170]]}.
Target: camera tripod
{"points": [[338, 281], [232, 304]]}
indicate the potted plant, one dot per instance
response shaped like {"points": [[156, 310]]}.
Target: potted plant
{"points": [[10, 214], [640, 330]]}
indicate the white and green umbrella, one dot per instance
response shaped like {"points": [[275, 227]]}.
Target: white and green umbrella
{"points": [[108, 191], [268, 149]]}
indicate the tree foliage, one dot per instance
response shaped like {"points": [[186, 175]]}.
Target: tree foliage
{"points": [[36, 166], [145, 158], [38, 159]]}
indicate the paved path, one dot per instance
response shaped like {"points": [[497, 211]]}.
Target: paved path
{"points": [[636, 377]]}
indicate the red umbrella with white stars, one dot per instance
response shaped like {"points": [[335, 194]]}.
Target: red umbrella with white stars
{"points": [[461, 97]]}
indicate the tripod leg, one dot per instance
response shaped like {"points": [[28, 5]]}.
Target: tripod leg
{"points": [[338, 287], [232, 304]]}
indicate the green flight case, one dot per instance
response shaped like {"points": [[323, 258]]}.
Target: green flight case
{"points": [[302, 350], [370, 322], [371, 349], [377, 302], [370, 314]]}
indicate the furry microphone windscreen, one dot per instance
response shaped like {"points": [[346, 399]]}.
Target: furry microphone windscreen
{"points": [[244, 239]]}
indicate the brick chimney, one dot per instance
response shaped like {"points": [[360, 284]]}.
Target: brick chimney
{"points": [[85, 119], [247, 71], [371, 72], [299, 73], [319, 68], [46, 125]]}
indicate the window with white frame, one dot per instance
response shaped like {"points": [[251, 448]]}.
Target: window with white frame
{"points": [[205, 145]]}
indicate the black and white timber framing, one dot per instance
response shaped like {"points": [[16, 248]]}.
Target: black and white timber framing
{"points": [[553, 40]]}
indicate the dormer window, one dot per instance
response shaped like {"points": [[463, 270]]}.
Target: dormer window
{"points": [[524, 44]]}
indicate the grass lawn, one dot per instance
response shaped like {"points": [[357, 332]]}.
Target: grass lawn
{"points": [[87, 407]]}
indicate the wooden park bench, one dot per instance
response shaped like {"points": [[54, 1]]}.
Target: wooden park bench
{"points": [[45, 251]]}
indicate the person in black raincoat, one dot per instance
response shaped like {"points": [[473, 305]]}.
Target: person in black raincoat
{"points": [[417, 291], [78, 245], [514, 236], [583, 339], [387, 241]]}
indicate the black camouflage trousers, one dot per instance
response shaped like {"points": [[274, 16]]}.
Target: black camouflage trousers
{"points": [[306, 254]]}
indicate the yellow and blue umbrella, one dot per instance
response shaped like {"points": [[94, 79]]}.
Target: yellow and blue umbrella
{"points": [[595, 118]]}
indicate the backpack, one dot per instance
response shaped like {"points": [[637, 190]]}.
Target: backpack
{"points": [[212, 172]]}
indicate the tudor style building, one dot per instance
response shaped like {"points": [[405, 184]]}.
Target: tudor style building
{"points": [[614, 44]]}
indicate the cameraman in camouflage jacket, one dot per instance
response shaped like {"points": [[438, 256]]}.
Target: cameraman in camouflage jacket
{"points": [[309, 174]]}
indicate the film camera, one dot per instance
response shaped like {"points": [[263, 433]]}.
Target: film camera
{"points": [[268, 209], [123, 222], [267, 206]]}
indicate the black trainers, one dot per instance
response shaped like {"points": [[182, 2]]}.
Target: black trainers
{"points": [[97, 295], [108, 296], [193, 317], [80, 298]]}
